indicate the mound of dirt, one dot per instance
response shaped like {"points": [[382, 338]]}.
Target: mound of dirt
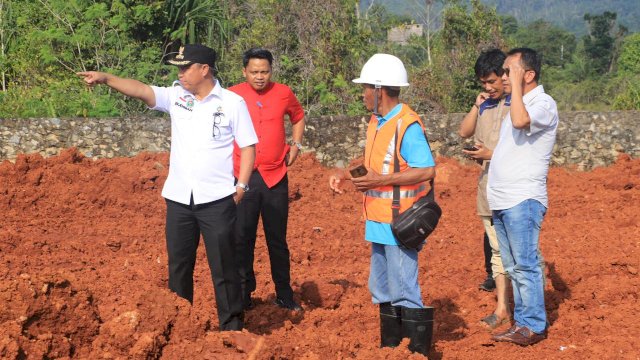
{"points": [[84, 269]]}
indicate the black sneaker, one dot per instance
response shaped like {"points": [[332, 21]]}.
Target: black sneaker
{"points": [[488, 285], [288, 304]]}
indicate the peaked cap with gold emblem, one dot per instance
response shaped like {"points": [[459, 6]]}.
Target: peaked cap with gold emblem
{"points": [[192, 54]]}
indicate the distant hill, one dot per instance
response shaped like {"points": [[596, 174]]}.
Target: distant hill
{"points": [[567, 14]]}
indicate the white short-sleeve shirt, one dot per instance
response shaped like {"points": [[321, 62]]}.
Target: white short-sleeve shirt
{"points": [[202, 136], [520, 161]]}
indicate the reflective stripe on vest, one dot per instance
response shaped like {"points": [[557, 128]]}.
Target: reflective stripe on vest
{"points": [[409, 193], [388, 157]]}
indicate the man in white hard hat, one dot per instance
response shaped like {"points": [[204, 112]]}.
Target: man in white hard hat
{"points": [[397, 155]]}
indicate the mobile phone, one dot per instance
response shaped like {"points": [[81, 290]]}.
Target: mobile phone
{"points": [[470, 148], [358, 171]]}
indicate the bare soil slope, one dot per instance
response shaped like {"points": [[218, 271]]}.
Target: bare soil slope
{"points": [[83, 269]]}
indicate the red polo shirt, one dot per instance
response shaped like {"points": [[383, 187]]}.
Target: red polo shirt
{"points": [[267, 109]]}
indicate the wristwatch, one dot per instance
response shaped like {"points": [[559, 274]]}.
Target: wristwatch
{"points": [[242, 186], [296, 144]]}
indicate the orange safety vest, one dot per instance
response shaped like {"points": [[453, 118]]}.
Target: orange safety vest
{"points": [[379, 157]]}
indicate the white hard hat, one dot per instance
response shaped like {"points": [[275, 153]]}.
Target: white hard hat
{"points": [[383, 70]]}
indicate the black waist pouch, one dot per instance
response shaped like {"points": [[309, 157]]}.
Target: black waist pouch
{"points": [[412, 227]]}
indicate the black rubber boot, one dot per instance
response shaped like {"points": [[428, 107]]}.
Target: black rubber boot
{"points": [[390, 325], [417, 325]]}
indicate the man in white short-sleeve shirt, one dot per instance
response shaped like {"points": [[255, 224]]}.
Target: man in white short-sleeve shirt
{"points": [[517, 191], [200, 191]]}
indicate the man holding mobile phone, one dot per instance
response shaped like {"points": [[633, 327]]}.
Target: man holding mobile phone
{"points": [[483, 122], [395, 133]]}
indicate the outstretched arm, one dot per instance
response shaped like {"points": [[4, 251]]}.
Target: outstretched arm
{"points": [[128, 87]]}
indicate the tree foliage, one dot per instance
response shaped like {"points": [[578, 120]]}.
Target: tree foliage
{"points": [[628, 82], [56, 38], [318, 46], [509, 25], [590, 80], [7, 35], [555, 44], [629, 59], [600, 44], [465, 33], [192, 21], [379, 20]]}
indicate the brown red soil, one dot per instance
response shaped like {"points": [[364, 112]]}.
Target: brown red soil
{"points": [[84, 269]]}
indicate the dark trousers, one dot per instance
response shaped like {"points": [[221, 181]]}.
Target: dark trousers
{"points": [[487, 255], [272, 204], [215, 220]]}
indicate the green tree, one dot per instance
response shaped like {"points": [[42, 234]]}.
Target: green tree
{"points": [[451, 82], [197, 21], [509, 25], [628, 79], [56, 38], [261, 23], [48, 41], [318, 46], [574, 88], [629, 59], [555, 44], [600, 44], [379, 20], [7, 32]]}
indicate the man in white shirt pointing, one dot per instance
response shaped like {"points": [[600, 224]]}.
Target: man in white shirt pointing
{"points": [[200, 192]]}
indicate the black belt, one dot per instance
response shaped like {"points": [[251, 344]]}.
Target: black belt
{"points": [[193, 206]]}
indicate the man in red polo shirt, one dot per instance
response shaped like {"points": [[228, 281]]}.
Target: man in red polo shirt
{"points": [[268, 189]]}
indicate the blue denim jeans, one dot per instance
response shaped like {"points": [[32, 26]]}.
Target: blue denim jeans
{"points": [[394, 276], [518, 230]]}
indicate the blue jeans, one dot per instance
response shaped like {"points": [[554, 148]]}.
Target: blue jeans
{"points": [[394, 276], [518, 230]]}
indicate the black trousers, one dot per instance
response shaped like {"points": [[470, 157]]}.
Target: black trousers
{"points": [[487, 255], [272, 204], [215, 220]]}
